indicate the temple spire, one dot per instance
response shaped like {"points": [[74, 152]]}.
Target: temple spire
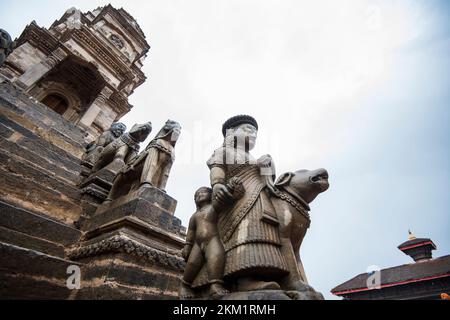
{"points": [[411, 236]]}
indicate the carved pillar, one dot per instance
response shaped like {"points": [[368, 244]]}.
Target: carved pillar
{"points": [[95, 108], [36, 72]]}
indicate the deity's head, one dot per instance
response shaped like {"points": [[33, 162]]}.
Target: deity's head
{"points": [[118, 129], [202, 195], [241, 131]]}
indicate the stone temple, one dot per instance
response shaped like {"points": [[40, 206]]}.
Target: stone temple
{"points": [[60, 89]]}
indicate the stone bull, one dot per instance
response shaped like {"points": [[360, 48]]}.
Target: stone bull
{"points": [[292, 194]]}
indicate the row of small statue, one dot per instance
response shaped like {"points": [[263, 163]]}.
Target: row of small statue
{"points": [[120, 151]]}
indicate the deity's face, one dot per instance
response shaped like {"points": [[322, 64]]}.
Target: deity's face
{"points": [[246, 132]]}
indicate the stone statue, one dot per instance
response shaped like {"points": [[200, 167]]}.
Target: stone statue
{"points": [[203, 244], [262, 231], [6, 46], [292, 194], [95, 148], [152, 166], [159, 156], [121, 151]]}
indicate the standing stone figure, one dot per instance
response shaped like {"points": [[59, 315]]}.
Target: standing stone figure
{"points": [[95, 148], [203, 244], [152, 166], [249, 229], [160, 155], [262, 230], [6, 46], [124, 149]]}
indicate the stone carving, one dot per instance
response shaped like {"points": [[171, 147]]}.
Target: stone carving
{"points": [[203, 244], [124, 149], [95, 148], [262, 231], [292, 194], [6, 46], [152, 166], [116, 41], [121, 243]]}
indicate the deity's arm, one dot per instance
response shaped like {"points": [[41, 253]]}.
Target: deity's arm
{"points": [[190, 237], [217, 175]]}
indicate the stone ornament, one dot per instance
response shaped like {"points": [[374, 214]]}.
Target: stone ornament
{"points": [[261, 231], [122, 243]]}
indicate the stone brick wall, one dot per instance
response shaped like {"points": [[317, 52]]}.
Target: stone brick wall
{"points": [[40, 157]]}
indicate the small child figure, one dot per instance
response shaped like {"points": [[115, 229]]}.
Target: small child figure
{"points": [[203, 244]]}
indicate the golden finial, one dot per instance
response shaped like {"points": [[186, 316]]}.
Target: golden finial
{"points": [[410, 235]]}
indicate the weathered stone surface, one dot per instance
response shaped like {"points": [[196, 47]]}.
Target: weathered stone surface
{"points": [[140, 208], [114, 291], [41, 146], [38, 160], [37, 197], [102, 178], [29, 274], [23, 240], [154, 195], [36, 225], [30, 262], [29, 287], [28, 169], [130, 271], [41, 121]]}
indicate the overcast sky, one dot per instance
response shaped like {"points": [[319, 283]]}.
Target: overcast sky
{"points": [[358, 87]]}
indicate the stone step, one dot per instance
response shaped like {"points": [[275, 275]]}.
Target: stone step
{"points": [[29, 170], [30, 274], [26, 241], [40, 145], [37, 225], [12, 147], [41, 113], [35, 118], [28, 194]]}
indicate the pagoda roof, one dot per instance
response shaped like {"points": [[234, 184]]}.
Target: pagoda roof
{"points": [[400, 275]]}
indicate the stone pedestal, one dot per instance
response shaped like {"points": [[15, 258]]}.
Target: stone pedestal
{"points": [[95, 188], [137, 232], [274, 295]]}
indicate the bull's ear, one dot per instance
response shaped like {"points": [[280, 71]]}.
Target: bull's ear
{"points": [[284, 179]]}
